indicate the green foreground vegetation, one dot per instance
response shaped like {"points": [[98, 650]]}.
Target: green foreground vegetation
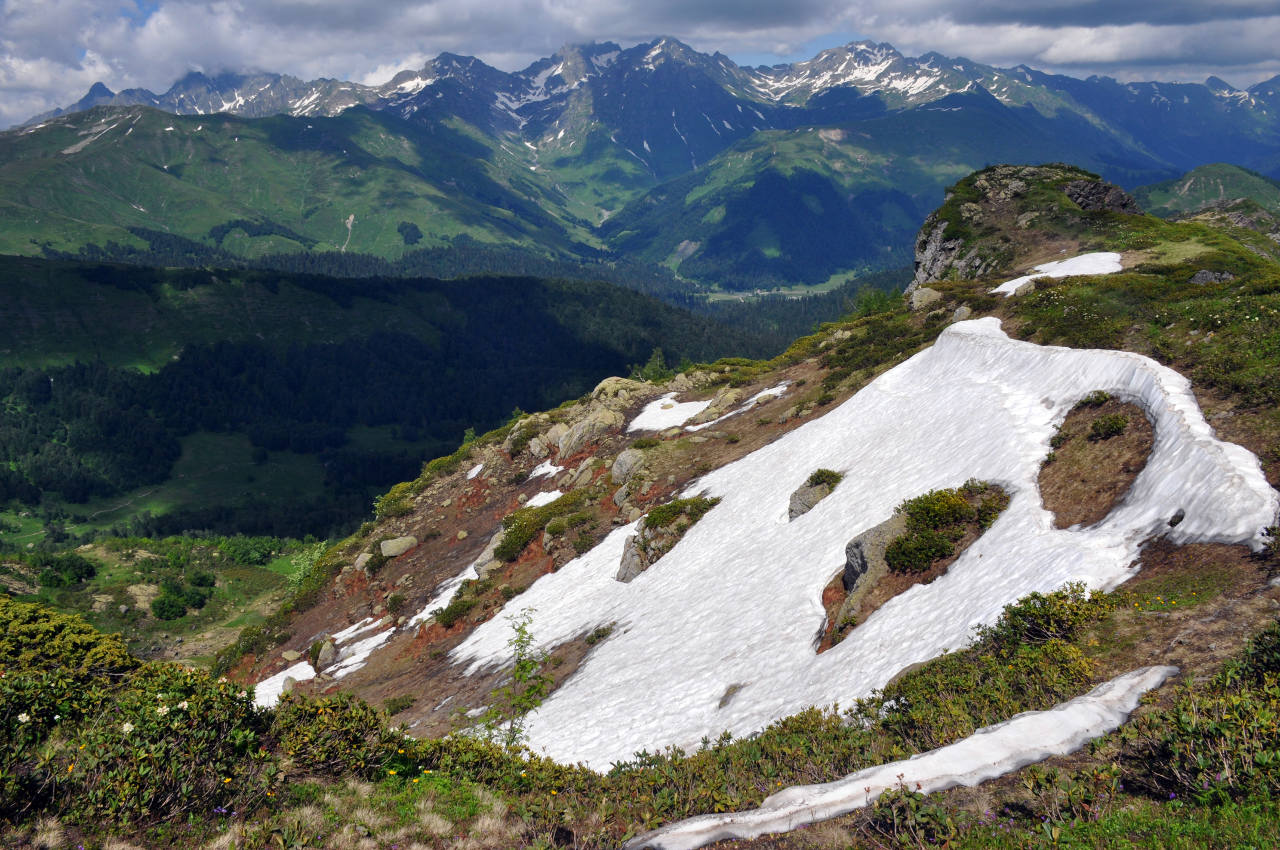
{"points": [[111, 746]]}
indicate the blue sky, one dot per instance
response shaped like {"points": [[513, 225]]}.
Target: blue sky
{"points": [[51, 51]]}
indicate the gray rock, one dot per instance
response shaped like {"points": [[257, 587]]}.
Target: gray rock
{"points": [[923, 296], [1096, 196], [865, 564], [398, 546], [805, 497], [633, 562], [291, 655], [537, 448], [598, 422], [287, 687], [962, 312], [626, 465], [1204, 276], [555, 432], [362, 559], [328, 653]]}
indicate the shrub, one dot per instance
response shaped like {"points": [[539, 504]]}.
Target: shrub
{"points": [[395, 502], [168, 606], [394, 705], [169, 744], [915, 552], [457, 608], [828, 477], [520, 527], [691, 510], [645, 443], [1106, 427], [199, 578], [1041, 617], [334, 734], [395, 602], [1097, 398], [936, 510]]}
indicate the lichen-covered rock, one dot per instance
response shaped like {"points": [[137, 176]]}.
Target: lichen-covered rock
{"points": [[804, 499], [327, 654], [865, 564], [619, 392], [1096, 196], [923, 296], [598, 421], [626, 465], [938, 257], [397, 546]]}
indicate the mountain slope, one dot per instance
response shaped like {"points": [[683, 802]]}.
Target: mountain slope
{"points": [[921, 424], [1206, 186], [651, 150]]}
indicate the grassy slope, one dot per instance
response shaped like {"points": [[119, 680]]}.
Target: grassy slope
{"points": [[1208, 185], [88, 177]]}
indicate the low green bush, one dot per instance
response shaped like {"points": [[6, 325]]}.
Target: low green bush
{"points": [[828, 477], [458, 607], [1106, 427], [520, 527], [916, 551], [690, 510], [334, 735]]}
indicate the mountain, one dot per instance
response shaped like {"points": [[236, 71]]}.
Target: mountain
{"points": [[987, 522], [648, 151], [1207, 186]]}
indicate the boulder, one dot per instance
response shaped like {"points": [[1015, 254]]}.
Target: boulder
{"points": [[598, 422], [619, 392], [633, 561], [328, 653], [626, 465], [923, 296], [961, 313], [1204, 276], [1096, 196], [397, 546], [555, 432], [362, 559], [291, 655], [537, 448], [805, 497]]}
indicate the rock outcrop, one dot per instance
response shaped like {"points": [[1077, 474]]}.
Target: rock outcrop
{"points": [[804, 499], [865, 564], [1096, 196]]}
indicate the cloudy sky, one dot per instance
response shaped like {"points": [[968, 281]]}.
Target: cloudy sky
{"points": [[51, 51]]}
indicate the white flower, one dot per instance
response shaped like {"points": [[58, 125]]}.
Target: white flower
{"points": [[127, 728], [183, 705], [162, 710], [24, 717]]}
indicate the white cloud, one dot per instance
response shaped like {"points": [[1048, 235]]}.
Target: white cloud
{"points": [[52, 50]]}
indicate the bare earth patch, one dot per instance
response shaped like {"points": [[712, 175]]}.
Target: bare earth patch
{"points": [[1085, 477]]}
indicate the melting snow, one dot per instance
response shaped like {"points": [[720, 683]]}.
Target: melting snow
{"points": [[474, 471], [986, 754], [1102, 262], [771, 392], [352, 658], [545, 468], [541, 499], [739, 598], [662, 413], [267, 692]]}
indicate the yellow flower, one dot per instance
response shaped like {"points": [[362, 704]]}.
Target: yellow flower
{"points": [[226, 780], [392, 772], [553, 792], [70, 768]]}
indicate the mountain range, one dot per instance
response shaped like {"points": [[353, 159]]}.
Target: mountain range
{"points": [[727, 175]]}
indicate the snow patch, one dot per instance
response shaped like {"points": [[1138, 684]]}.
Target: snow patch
{"points": [[545, 468], [474, 471], [986, 754], [738, 599], [266, 694], [771, 392], [665, 412], [541, 499], [1101, 262]]}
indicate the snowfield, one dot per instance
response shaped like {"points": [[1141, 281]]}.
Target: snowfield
{"points": [[1102, 262], [994, 751], [736, 604]]}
